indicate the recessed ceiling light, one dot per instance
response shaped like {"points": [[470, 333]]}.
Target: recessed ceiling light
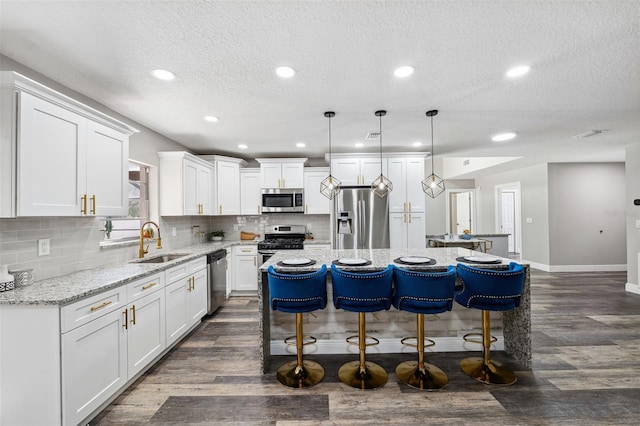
{"points": [[301, 144], [211, 118], [404, 71], [164, 75], [243, 146], [417, 144], [359, 144], [518, 71], [501, 137], [285, 71]]}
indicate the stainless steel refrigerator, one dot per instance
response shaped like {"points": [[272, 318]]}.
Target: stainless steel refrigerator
{"points": [[360, 219]]}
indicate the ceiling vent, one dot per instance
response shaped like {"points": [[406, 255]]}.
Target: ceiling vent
{"points": [[372, 136], [589, 133]]}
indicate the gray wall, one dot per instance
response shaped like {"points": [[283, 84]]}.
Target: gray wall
{"points": [[632, 213], [436, 207], [533, 184], [587, 224]]}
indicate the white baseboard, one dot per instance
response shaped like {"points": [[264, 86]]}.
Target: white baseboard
{"points": [[386, 346], [576, 268], [632, 288]]}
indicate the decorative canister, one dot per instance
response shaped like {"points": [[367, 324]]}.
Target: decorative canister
{"points": [[22, 277], [6, 279]]}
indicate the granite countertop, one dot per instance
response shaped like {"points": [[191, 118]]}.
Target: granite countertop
{"points": [[473, 233], [380, 258], [77, 285], [316, 242]]}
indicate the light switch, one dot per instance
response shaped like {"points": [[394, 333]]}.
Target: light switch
{"points": [[637, 223], [44, 248], [529, 220], [173, 231]]}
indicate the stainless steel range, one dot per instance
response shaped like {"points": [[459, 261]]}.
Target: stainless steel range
{"points": [[281, 237]]}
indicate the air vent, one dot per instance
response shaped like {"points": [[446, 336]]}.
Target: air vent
{"points": [[589, 133], [372, 135], [465, 163]]}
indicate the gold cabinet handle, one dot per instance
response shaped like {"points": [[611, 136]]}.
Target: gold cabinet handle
{"points": [[126, 319], [133, 314], [409, 217], [189, 284], [148, 286], [93, 204], [404, 207], [100, 306], [258, 208], [220, 209], [254, 261], [404, 218], [409, 205], [278, 183], [284, 185], [83, 209], [306, 209]]}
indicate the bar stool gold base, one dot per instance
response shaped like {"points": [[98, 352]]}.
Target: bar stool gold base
{"points": [[429, 378], [373, 376], [490, 372], [309, 375]]}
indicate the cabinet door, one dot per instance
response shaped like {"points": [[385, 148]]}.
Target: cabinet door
{"points": [[416, 230], [107, 171], [292, 175], [315, 202], [228, 188], [204, 191], [51, 159], [176, 310], [271, 175], [246, 272], [397, 174], [347, 170], [230, 275], [197, 297], [413, 186], [370, 170], [146, 331], [94, 365], [398, 230], [189, 186], [250, 198]]}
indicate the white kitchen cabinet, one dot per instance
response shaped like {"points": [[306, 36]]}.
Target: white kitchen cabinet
{"points": [[250, 196], [314, 201], [406, 174], [230, 275], [360, 170], [186, 297], [407, 230], [226, 187], [68, 159], [282, 172], [245, 267], [185, 184]]}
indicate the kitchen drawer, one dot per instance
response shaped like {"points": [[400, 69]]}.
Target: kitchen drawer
{"points": [[245, 250], [85, 310], [178, 272], [196, 265], [145, 286]]}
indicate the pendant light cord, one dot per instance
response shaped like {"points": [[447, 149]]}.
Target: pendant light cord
{"points": [[330, 174], [380, 116], [432, 170]]}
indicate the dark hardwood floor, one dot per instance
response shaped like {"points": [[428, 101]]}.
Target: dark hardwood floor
{"points": [[586, 370]]}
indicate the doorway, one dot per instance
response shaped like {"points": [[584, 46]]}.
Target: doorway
{"points": [[460, 211], [508, 214]]}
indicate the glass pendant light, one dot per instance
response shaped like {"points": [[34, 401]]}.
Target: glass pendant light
{"points": [[330, 186], [382, 185], [432, 185]]}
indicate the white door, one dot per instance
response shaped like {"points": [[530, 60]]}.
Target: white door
{"points": [[398, 230], [507, 217], [292, 175], [146, 331], [250, 193], [176, 310], [246, 272], [228, 188], [413, 187], [315, 202], [463, 212], [190, 188], [197, 297], [370, 170], [271, 175], [396, 172], [204, 195], [51, 159], [346, 170], [416, 230]]}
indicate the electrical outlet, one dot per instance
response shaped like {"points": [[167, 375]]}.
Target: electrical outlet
{"points": [[44, 247], [174, 232], [308, 227], [235, 227], [529, 220]]}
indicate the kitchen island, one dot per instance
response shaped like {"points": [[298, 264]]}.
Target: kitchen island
{"points": [[331, 326]]}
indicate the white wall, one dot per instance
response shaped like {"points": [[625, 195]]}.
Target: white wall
{"points": [[587, 224], [436, 207], [632, 214]]}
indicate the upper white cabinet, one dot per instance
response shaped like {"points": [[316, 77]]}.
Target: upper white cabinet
{"points": [[314, 201], [357, 170], [407, 223], [282, 172], [226, 186], [59, 157], [250, 202], [185, 184]]}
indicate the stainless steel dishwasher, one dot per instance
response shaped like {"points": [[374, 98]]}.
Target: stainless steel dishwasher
{"points": [[217, 273]]}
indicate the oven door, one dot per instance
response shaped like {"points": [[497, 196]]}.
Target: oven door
{"points": [[282, 200], [265, 255]]}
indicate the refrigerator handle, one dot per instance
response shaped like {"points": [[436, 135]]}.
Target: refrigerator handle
{"points": [[361, 225]]}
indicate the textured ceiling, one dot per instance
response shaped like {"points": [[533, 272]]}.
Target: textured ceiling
{"points": [[584, 58]]}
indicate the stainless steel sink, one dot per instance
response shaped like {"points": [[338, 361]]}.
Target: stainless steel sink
{"points": [[162, 259]]}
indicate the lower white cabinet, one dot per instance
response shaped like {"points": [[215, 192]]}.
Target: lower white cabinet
{"points": [[186, 294], [245, 267], [407, 230]]}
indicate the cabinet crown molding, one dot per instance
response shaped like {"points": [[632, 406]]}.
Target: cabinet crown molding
{"points": [[282, 160], [376, 155], [212, 158]]}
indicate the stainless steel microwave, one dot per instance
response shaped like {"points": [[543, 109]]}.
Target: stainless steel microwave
{"points": [[282, 200]]}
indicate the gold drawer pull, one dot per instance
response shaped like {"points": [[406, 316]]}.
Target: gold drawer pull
{"points": [[83, 209], [126, 319], [133, 315], [102, 305], [148, 286], [93, 204]]}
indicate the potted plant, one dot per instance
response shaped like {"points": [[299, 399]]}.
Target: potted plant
{"points": [[216, 235], [108, 227]]}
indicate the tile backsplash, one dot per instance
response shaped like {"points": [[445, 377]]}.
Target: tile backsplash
{"points": [[75, 242]]}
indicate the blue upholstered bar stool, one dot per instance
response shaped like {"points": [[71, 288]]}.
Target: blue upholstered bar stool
{"points": [[423, 293], [298, 293], [489, 290], [361, 293]]}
